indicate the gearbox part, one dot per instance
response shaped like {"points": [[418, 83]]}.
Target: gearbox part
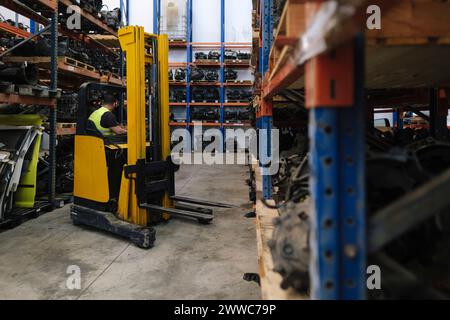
{"points": [[290, 246]]}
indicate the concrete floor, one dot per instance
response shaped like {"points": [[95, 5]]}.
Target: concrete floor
{"points": [[189, 261]]}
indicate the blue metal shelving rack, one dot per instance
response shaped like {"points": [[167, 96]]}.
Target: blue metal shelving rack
{"points": [[338, 240], [265, 121], [337, 159], [190, 60]]}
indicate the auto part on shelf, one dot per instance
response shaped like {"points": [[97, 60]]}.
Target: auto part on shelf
{"points": [[211, 76], [19, 74], [246, 95], [390, 176], [201, 56], [214, 55], [103, 59], [197, 74], [180, 74], [205, 94], [244, 55], [205, 114], [290, 245], [67, 107], [177, 95], [171, 75], [112, 18], [91, 5], [433, 156], [230, 74], [230, 55], [236, 114], [239, 95]]}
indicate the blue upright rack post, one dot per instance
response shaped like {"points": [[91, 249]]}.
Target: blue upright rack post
{"points": [[222, 67], [33, 27], [189, 61], [336, 129], [266, 120], [156, 16]]}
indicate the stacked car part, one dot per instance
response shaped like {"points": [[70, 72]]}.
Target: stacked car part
{"points": [[205, 95]]}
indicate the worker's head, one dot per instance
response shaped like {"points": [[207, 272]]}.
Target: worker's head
{"points": [[109, 101]]}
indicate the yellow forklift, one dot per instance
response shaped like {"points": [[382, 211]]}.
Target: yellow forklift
{"points": [[124, 184]]}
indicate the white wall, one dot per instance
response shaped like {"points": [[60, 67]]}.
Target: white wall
{"points": [[141, 14], [238, 21], [206, 21]]}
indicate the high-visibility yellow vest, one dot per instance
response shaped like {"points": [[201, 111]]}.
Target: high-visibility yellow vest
{"points": [[96, 118]]}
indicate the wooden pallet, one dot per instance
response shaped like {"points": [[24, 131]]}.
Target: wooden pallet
{"points": [[45, 62], [292, 24], [66, 129], [78, 64], [270, 280], [64, 125]]}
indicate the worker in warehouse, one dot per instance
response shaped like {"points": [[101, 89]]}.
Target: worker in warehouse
{"points": [[105, 120]]}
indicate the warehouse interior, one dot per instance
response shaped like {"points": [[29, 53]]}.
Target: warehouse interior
{"points": [[224, 150]]}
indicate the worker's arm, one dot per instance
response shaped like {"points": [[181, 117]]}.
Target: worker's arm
{"points": [[109, 121], [118, 130]]}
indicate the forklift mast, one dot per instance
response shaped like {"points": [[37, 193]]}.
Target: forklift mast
{"points": [[147, 60]]}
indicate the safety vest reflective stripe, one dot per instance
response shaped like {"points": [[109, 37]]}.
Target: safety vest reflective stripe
{"points": [[96, 118]]}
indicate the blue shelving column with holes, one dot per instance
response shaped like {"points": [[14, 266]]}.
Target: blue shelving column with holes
{"points": [[222, 64], [265, 119], [337, 164], [189, 58]]}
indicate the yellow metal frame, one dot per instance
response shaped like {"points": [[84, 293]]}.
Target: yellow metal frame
{"points": [[133, 41]]}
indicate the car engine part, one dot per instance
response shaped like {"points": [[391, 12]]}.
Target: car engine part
{"points": [[230, 74], [180, 74], [290, 245], [238, 114], [244, 55], [239, 95], [205, 94], [197, 74], [205, 114], [230, 55], [67, 107], [177, 95], [214, 55], [201, 56], [112, 18], [19, 74], [211, 76]]}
